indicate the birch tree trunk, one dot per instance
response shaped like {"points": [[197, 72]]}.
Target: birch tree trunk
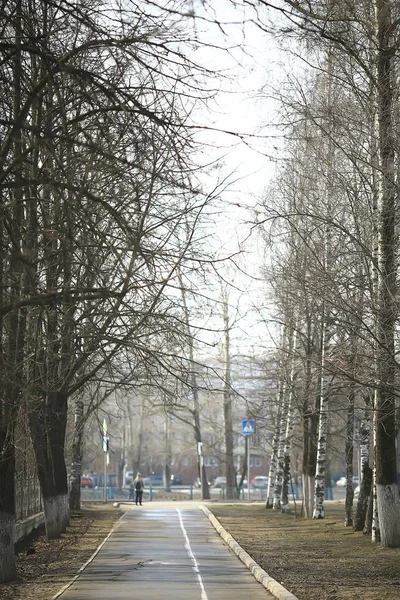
{"points": [[136, 436], [273, 463], [349, 453], [319, 492], [289, 430], [205, 491], [228, 425], [388, 501], [365, 471], [310, 445], [374, 518], [277, 497], [274, 457]]}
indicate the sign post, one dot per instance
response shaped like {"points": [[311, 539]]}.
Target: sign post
{"points": [[201, 462], [248, 429], [105, 448]]}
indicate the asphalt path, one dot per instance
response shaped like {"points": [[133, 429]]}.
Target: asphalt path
{"points": [[167, 551]]}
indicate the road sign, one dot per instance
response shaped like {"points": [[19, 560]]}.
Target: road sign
{"points": [[248, 427]]}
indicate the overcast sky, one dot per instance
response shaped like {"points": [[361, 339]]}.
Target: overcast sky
{"points": [[255, 63]]}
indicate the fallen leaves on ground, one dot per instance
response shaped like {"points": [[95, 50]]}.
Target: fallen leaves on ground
{"points": [[45, 566]]}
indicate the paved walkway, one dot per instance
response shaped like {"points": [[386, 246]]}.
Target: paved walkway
{"points": [[166, 551]]}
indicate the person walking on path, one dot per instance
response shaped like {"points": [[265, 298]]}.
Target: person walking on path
{"points": [[139, 487]]}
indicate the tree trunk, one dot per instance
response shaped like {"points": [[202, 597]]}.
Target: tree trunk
{"points": [[7, 498], [205, 492], [77, 451], [388, 501], [280, 424], [273, 464], [310, 433], [289, 429], [16, 323], [365, 471], [47, 421], [349, 445], [228, 426], [319, 492], [168, 453], [277, 503], [374, 518]]}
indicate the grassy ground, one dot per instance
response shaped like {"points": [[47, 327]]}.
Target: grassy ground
{"points": [[44, 567], [315, 560]]}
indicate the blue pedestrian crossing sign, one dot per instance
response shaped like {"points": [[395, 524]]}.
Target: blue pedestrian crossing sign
{"points": [[248, 427]]}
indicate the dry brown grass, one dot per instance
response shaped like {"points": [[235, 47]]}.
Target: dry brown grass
{"points": [[54, 563], [315, 560]]}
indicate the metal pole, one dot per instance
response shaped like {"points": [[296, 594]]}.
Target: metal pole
{"points": [[201, 478], [105, 477], [105, 450], [248, 467]]}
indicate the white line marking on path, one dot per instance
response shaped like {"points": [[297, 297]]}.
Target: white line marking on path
{"points": [[192, 557]]}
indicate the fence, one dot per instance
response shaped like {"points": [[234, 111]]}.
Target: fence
{"points": [[28, 498], [98, 494]]}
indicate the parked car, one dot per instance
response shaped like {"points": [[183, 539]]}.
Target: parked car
{"points": [[244, 483], [197, 483], [219, 482], [342, 481], [128, 477], [260, 481], [176, 480], [87, 482], [156, 479]]}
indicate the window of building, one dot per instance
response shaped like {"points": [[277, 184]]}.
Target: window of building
{"points": [[211, 461]]}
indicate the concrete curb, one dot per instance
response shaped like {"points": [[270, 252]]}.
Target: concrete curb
{"points": [[266, 581]]}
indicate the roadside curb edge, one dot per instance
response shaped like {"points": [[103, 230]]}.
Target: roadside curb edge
{"points": [[262, 577]]}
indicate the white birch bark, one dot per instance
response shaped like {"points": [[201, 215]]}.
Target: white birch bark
{"points": [[388, 502], [319, 490], [375, 532], [289, 432], [272, 467], [365, 442], [227, 395], [364, 470], [276, 504], [349, 448]]}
